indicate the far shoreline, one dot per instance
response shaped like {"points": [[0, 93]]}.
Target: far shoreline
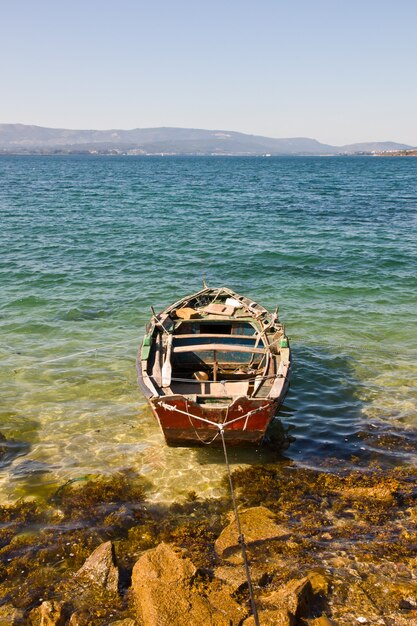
{"points": [[117, 153]]}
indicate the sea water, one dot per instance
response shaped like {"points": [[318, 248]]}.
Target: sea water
{"points": [[88, 244]]}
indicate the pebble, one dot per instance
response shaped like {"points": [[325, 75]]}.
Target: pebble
{"points": [[327, 536]]}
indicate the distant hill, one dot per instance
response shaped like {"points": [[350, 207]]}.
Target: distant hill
{"points": [[25, 139], [374, 146]]}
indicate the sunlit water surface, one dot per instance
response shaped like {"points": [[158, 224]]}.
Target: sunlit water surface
{"points": [[89, 243]]}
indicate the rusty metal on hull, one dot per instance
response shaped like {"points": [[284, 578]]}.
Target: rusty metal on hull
{"points": [[214, 361]]}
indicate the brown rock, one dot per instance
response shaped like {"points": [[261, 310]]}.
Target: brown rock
{"points": [[163, 593], [257, 525], [280, 617], [366, 600], [224, 605], [323, 620], [319, 583], [295, 596], [326, 537], [338, 562], [100, 568], [284, 606], [412, 512], [52, 613], [234, 576], [402, 620], [383, 492], [78, 619], [9, 615]]}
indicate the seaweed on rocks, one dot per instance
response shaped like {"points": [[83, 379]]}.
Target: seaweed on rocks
{"points": [[354, 529], [101, 497], [191, 525], [42, 543]]}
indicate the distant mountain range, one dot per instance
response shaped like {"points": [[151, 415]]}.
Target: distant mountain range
{"points": [[25, 139]]}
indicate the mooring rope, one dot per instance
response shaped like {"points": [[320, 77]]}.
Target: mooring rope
{"points": [[245, 416], [206, 443], [221, 428], [241, 538], [73, 354]]}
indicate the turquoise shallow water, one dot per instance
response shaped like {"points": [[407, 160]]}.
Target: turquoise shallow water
{"points": [[89, 243]]}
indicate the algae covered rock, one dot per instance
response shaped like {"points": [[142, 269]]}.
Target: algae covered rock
{"points": [[295, 600], [319, 583], [296, 596], [78, 619], [257, 524], [50, 613], [10, 616], [271, 617], [323, 620]]}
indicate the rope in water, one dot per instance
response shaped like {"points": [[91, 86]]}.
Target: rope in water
{"points": [[73, 354], [312, 343], [241, 537]]}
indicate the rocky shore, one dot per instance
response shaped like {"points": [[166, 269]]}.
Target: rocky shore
{"points": [[325, 547]]}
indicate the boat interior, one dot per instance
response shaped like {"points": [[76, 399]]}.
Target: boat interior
{"points": [[213, 360]]}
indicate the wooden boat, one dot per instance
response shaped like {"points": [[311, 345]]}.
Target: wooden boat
{"points": [[214, 361]]}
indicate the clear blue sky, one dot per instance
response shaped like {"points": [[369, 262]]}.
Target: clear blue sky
{"points": [[339, 71]]}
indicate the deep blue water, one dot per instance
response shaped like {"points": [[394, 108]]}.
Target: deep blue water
{"points": [[89, 243]]}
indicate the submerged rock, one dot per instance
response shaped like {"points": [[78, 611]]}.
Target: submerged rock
{"points": [[100, 568], [10, 449], [30, 467]]}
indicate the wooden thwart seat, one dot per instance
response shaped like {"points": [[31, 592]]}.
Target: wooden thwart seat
{"points": [[218, 346]]}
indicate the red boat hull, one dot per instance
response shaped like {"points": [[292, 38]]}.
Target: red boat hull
{"points": [[184, 422]]}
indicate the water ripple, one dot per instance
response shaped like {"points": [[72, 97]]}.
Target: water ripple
{"points": [[88, 244]]}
